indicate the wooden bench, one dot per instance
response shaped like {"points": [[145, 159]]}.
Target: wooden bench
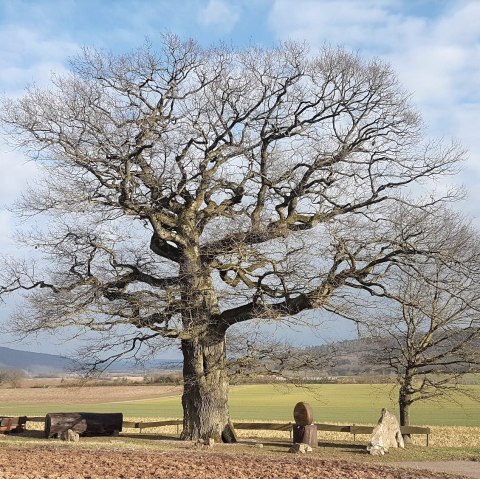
{"points": [[12, 424], [354, 429], [416, 430], [144, 425]]}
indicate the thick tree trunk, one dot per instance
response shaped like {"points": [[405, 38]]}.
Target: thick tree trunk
{"points": [[205, 393], [205, 390]]}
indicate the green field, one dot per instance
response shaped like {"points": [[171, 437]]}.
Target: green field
{"points": [[342, 403], [348, 403]]}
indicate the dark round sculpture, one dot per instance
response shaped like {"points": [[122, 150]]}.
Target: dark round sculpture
{"points": [[303, 414]]}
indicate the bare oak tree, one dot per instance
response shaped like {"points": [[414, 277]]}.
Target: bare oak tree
{"points": [[188, 190]]}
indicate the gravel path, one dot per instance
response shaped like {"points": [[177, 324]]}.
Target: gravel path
{"points": [[464, 468]]}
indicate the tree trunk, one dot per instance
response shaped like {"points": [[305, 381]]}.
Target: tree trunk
{"points": [[404, 414], [205, 390], [404, 402]]}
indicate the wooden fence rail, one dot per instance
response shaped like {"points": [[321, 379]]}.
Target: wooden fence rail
{"points": [[263, 426], [145, 425], [269, 426]]}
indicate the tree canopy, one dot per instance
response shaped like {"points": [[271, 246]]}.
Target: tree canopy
{"points": [[190, 189]]}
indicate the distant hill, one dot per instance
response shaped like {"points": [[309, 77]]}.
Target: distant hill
{"points": [[346, 358], [356, 357], [40, 364], [349, 357], [34, 363]]}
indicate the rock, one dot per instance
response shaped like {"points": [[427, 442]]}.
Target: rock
{"points": [[297, 449], [300, 448], [259, 445], [70, 436], [210, 442], [204, 442], [228, 434], [376, 450], [385, 435]]}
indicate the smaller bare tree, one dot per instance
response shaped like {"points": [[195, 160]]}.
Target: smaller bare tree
{"points": [[429, 332], [11, 376]]}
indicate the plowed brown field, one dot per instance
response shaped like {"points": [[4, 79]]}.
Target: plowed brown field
{"points": [[56, 463], [85, 395]]}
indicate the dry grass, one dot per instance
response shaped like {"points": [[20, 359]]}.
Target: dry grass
{"points": [[442, 436], [447, 444]]}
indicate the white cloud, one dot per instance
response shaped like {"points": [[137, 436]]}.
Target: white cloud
{"points": [[366, 24], [29, 56], [433, 56], [16, 173], [461, 24], [5, 228], [219, 14]]}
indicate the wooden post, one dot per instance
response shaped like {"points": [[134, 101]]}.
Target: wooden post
{"points": [[229, 435], [305, 435]]}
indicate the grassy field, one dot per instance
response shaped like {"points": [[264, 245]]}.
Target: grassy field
{"points": [[345, 403], [349, 403], [455, 424]]}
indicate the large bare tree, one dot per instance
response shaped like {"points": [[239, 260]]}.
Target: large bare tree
{"points": [[188, 190]]}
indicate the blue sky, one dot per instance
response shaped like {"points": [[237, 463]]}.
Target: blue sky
{"points": [[434, 45]]}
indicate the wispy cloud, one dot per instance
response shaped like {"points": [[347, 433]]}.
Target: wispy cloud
{"points": [[5, 230], [28, 56], [219, 14], [436, 52]]}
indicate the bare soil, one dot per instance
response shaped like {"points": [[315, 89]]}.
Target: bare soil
{"points": [[72, 463]]}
